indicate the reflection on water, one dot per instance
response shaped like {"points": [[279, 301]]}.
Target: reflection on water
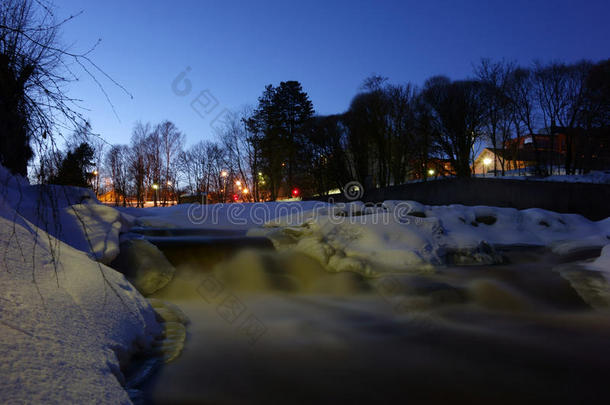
{"points": [[269, 327]]}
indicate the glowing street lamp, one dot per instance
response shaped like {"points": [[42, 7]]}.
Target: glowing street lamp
{"points": [[95, 173], [245, 191], [156, 188], [224, 174], [238, 183], [431, 172], [486, 162], [169, 183]]}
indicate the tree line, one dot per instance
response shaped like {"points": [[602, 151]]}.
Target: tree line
{"points": [[390, 134]]}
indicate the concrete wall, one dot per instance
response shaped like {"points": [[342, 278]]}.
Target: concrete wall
{"points": [[589, 200]]}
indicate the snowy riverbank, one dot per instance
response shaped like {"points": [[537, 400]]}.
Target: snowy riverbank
{"points": [[68, 323], [65, 335]]}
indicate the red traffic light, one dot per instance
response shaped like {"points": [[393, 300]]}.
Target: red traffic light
{"points": [[296, 192], [235, 197]]}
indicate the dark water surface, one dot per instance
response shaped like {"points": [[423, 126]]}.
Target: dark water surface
{"points": [[271, 327]]}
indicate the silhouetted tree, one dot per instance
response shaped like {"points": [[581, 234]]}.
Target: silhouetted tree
{"points": [[495, 78], [367, 123], [458, 114], [76, 167], [328, 164], [34, 71], [560, 90], [278, 126], [118, 168]]}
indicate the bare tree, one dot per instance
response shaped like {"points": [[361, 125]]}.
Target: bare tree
{"points": [[138, 163], [457, 118], [192, 164], [239, 154], [401, 133], [118, 166], [560, 93], [171, 142], [498, 123], [34, 72], [522, 96]]}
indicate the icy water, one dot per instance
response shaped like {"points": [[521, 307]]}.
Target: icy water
{"points": [[275, 328]]}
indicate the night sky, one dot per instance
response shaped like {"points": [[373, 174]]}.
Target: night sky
{"points": [[235, 48]]}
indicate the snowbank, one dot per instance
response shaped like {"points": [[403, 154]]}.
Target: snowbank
{"points": [[67, 322], [595, 177], [217, 216], [600, 177], [70, 214]]}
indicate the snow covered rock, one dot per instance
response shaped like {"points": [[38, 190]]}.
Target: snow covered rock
{"points": [[407, 235], [144, 265], [364, 243]]}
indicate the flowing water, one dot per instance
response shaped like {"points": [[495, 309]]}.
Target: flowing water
{"points": [[271, 327]]}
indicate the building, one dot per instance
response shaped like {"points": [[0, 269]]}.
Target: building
{"points": [[516, 161], [552, 152]]}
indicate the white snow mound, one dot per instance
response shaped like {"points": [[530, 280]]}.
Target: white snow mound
{"points": [[66, 321]]}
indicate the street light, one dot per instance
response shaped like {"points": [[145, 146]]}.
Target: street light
{"points": [[431, 172], [224, 174], [245, 191], [156, 188], [486, 162], [238, 183], [169, 183], [95, 173]]}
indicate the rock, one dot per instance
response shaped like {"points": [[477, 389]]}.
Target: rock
{"points": [[144, 265]]}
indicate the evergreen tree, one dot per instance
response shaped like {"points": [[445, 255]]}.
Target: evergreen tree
{"points": [[75, 168], [279, 132]]}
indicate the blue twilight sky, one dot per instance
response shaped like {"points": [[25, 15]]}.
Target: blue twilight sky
{"points": [[235, 48]]}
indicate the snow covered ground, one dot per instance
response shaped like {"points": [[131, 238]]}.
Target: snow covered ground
{"points": [[71, 214], [596, 177], [67, 322], [601, 177]]}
